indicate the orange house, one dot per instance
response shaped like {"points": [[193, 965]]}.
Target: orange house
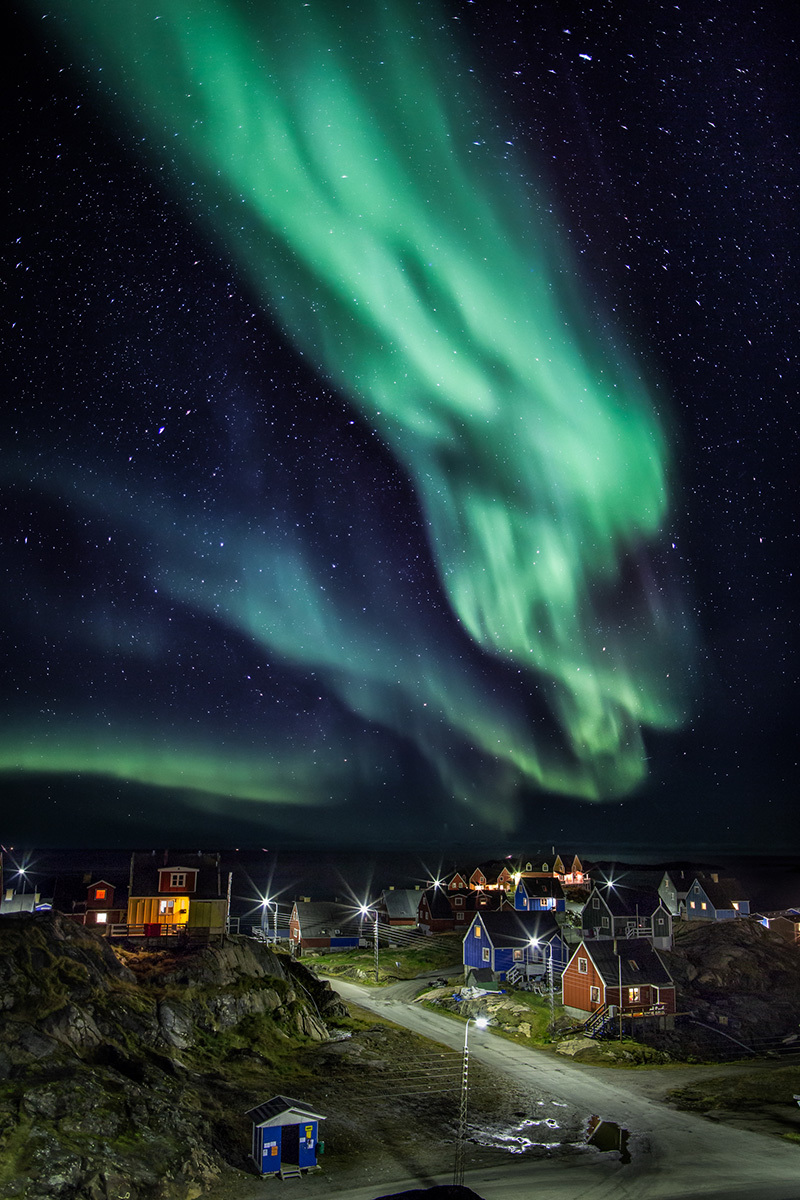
{"points": [[626, 973]]}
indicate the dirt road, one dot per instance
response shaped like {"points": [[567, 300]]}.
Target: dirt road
{"points": [[672, 1154]]}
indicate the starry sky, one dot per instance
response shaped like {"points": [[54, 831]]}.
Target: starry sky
{"points": [[397, 429]]}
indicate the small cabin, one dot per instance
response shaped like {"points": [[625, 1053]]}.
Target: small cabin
{"points": [[285, 1137]]}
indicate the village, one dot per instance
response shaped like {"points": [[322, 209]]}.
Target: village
{"points": [[175, 974], [591, 934]]}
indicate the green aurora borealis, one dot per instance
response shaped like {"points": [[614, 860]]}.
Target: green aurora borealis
{"points": [[340, 161]]}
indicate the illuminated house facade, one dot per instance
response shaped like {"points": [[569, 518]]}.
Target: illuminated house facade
{"points": [[176, 894]]}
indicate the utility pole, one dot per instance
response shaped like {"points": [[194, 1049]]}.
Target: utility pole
{"points": [[458, 1166]]}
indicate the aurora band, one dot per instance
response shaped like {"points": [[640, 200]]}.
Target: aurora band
{"points": [[336, 152]]}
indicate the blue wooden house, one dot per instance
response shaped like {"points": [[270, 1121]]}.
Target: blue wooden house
{"points": [[716, 900], [506, 940], [285, 1138], [544, 894]]}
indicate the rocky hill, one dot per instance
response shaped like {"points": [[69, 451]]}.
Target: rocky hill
{"points": [[739, 977], [117, 1071]]}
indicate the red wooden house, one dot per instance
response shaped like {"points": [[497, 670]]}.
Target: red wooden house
{"points": [[442, 911], [627, 973], [100, 906]]}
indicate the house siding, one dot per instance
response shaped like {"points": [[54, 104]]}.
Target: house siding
{"points": [[577, 986]]}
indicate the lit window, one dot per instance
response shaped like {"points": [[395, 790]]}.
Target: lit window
{"points": [[735, 904], [100, 894], [517, 956], [102, 918], [692, 904], [703, 904], [583, 966], [477, 931], [166, 906], [486, 953], [633, 995]]}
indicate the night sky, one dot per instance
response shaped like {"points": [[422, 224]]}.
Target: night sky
{"points": [[399, 425]]}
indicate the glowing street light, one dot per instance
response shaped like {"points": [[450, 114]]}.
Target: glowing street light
{"points": [[268, 905], [365, 911], [458, 1168], [547, 947]]}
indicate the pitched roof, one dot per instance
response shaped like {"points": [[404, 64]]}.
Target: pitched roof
{"points": [[640, 963], [631, 901], [328, 918], [281, 1110], [542, 886], [145, 869], [511, 927], [723, 894], [401, 903]]}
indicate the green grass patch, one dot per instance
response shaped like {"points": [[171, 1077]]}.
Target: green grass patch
{"points": [[440, 954], [742, 1090]]}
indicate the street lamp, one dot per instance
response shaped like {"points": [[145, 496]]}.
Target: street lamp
{"points": [[458, 1168], [547, 946], [266, 906], [365, 911]]}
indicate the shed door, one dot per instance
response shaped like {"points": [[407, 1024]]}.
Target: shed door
{"points": [[271, 1149], [306, 1151]]}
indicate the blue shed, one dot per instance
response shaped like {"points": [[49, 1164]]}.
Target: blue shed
{"points": [[284, 1136]]}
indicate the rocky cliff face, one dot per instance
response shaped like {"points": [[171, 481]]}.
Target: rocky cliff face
{"points": [[126, 1075]]}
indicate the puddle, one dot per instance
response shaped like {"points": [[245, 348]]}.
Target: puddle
{"points": [[527, 1134], [607, 1135]]}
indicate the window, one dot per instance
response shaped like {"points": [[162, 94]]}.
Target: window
{"points": [[460, 917], [633, 995], [486, 953], [692, 904], [604, 922], [477, 931], [595, 901], [102, 918], [459, 900], [517, 956], [594, 995], [583, 966], [100, 894], [703, 905], [735, 904], [177, 879], [166, 906]]}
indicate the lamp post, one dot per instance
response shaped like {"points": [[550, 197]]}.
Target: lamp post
{"points": [[458, 1167], [365, 912], [547, 946], [268, 905]]}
